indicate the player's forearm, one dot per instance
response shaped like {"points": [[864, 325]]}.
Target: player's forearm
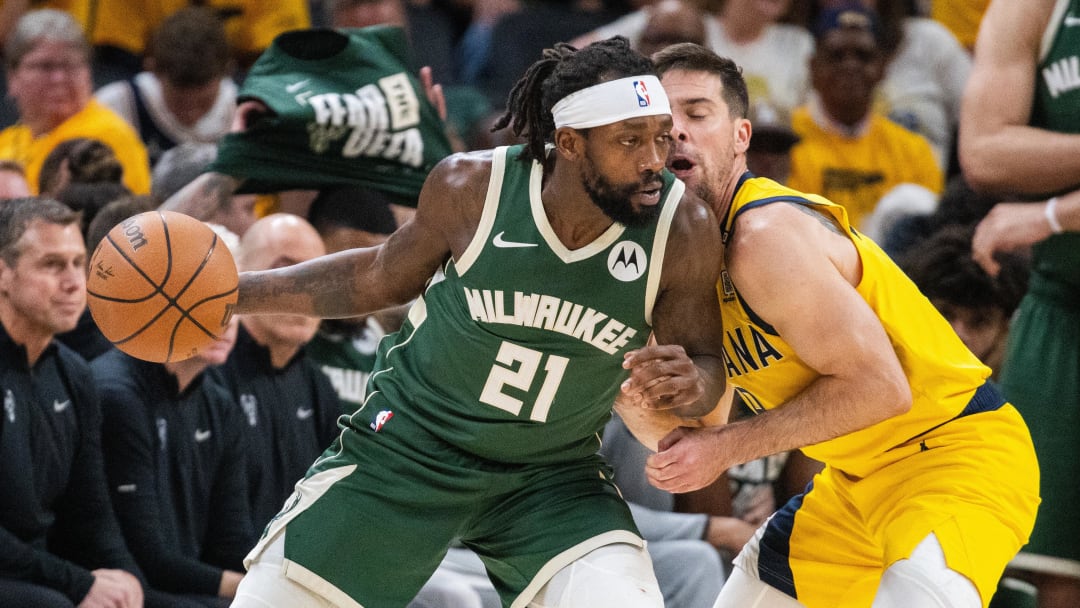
{"points": [[204, 196], [829, 407], [324, 287], [713, 379], [1021, 160]]}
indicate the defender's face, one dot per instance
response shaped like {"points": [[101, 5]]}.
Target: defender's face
{"points": [[622, 165], [704, 132], [46, 287]]}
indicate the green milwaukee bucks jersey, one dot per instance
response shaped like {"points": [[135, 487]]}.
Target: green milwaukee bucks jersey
{"points": [[344, 110], [515, 352], [1057, 108]]}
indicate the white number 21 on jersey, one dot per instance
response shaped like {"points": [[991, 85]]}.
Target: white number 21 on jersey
{"points": [[529, 361]]}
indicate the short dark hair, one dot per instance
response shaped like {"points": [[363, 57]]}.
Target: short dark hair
{"points": [[563, 70], [17, 214], [696, 58], [942, 267], [112, 214], [189, 48], [89, 198]]}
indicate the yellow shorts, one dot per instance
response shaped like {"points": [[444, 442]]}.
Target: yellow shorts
{"points": [[973, 482]]}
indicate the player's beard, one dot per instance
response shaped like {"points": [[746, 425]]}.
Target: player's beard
{"points": [[614, 200]]}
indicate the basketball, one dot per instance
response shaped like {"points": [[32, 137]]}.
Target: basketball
{"points": [[161, 286]]}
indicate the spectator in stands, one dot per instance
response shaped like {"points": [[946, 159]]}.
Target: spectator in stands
{"points": [[289, 405], [185, 93], [175, 456], [122, 29], [962, 17], [48, 72], [671, 21], [977, 305], [60, 544], [926, 68], [109, 209], [78, 160], [769, 154], [773, 55], [12, 180], [847, 152]]}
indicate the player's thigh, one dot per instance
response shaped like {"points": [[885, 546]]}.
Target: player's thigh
{"points": [[815, 549], [553, 516], [612, 576], [266, 586]]}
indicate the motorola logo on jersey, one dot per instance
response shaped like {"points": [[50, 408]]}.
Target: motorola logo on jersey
{"points": [[627, 261], [643, 100]]}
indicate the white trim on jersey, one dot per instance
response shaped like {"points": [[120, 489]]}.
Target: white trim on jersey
{"points": [[659, 248], [600, 244], [487, 218]]}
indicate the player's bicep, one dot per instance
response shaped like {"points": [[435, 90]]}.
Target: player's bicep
{"points": [[792, 281], [999, 89], [686, 310], [444, 221]]}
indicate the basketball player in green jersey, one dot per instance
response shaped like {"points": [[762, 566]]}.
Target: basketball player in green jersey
{"points": [[1020, 138], [541, 271], [930, 483]]}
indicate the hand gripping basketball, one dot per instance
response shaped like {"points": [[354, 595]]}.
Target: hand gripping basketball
{"points": [[162, 286]]}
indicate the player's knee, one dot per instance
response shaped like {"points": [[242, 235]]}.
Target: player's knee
{"points": [[613, 576], [925, 580], [743, 590]]}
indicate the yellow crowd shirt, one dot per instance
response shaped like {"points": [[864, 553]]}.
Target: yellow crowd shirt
{"points": [[249, 24], [766, 371], [856, 172], [94, 121], [962, 17]]}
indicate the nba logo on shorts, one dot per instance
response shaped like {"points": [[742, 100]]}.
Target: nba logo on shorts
{"points": [[642, 94]]}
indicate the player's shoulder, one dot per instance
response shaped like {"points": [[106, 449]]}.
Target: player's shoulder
{"points": [[463, 168]]}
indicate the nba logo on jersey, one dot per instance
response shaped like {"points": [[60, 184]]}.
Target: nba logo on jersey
{"points": [[642, 94], [380, 419]]}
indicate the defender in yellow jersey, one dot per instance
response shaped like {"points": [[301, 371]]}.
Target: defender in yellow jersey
{"points": [[931, 482]]}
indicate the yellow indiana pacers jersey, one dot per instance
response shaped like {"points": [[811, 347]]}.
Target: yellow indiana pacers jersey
{"points": [[766, 371]]}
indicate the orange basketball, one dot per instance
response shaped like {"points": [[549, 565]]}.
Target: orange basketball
{"points": [[162, 286]]}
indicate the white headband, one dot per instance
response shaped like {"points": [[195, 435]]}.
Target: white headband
{"points": [[610, 102]]}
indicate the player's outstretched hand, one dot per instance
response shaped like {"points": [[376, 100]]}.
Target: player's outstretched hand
{"points": [[662, 377], [687, 459]]}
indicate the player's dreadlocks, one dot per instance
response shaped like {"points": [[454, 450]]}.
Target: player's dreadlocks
{"points": [[561, 71]]}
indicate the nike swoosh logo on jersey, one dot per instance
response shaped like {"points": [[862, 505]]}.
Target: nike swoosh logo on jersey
{"points": [[59, 406], [126, 488], [499, 241], [304, 413], [201, 436], [294, 87], [1071, 20]]}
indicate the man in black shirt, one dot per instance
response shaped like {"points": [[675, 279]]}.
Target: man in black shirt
{"points": [[60, 544], [290, 406]]}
